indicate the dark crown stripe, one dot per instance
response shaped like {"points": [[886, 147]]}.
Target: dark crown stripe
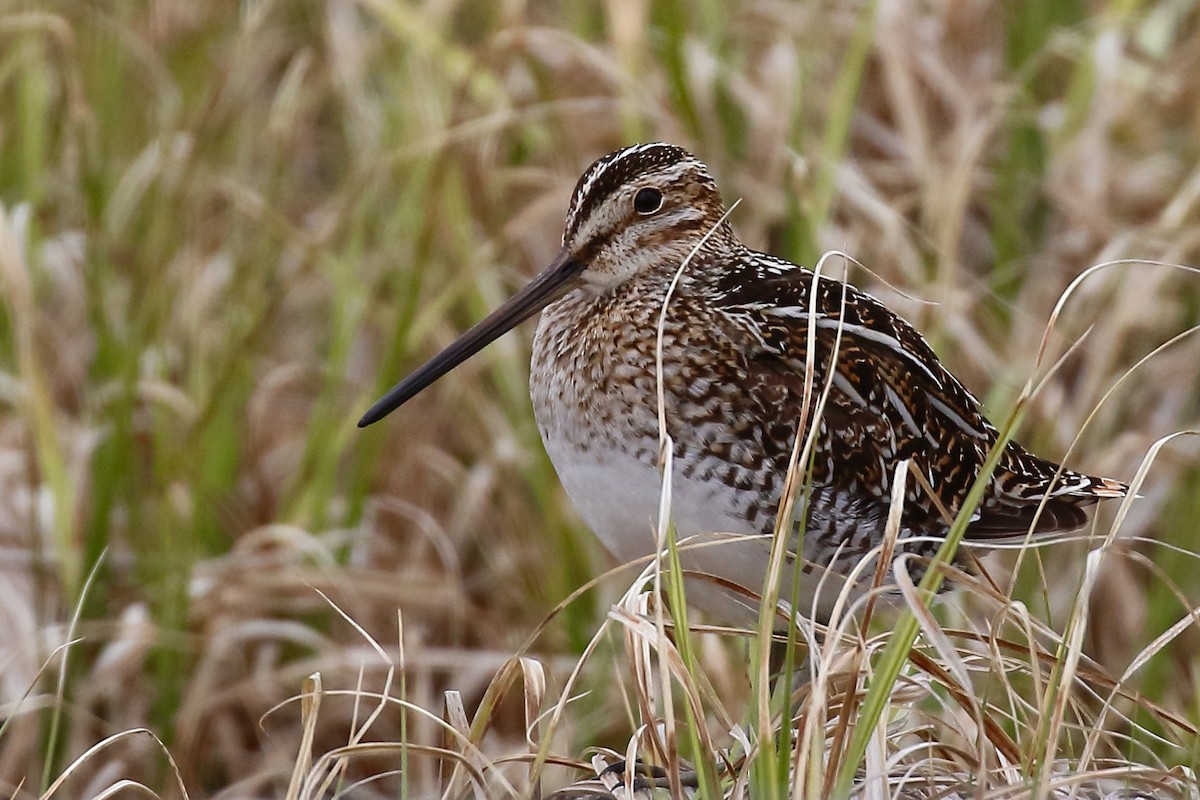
{"points": [[611, 172]]}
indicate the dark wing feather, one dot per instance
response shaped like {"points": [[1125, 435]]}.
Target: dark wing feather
{"points": [[891, 398]]}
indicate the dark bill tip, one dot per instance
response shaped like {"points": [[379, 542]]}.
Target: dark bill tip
{"points": [[549, 285]]}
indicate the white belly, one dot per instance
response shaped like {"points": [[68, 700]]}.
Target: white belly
{"points": [[618, 497]]}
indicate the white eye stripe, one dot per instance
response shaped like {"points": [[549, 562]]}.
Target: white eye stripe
{"points": [[610, 220]]}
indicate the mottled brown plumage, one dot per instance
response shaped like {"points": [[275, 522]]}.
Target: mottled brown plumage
{"points": [[735, 336]]}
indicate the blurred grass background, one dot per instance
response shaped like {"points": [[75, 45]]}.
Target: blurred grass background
{"points": [[227, 226]]}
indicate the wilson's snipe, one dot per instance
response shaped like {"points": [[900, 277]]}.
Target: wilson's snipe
{"points": [[733, 366]]}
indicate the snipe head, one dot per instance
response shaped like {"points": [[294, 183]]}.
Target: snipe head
{"points": [[641, 208]]}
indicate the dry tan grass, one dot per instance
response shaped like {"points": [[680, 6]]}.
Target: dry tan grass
{"points": [[225, 225]]}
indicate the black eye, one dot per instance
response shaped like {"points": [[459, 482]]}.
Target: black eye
{"points": [[647, 201]]}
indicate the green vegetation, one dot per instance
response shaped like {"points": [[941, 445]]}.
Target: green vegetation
{"points": [[225, 227]]}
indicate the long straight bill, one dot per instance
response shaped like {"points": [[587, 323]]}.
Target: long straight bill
{"points": [[552, 283]]}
